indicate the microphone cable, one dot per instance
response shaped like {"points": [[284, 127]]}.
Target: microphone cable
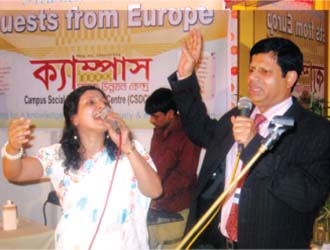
{"points": [[108, 194]]}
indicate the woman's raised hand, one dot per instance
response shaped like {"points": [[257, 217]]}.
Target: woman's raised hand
{"points": [[19, 132]]}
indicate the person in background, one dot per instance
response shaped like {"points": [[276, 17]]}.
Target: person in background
{"points": [[176, 159], [284, 190], [104, 179]]}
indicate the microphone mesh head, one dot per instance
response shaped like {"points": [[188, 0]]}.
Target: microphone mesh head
{"points": [[105, 112], [244, 103]]}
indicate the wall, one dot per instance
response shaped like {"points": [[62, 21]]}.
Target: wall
{"points": [[246, 41], [328, 62], [308, 29]]}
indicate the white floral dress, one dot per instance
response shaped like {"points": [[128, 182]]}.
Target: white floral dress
{"points": [[83, 197]]}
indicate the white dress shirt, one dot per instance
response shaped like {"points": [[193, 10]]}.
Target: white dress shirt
{"points": [[278, 109]]}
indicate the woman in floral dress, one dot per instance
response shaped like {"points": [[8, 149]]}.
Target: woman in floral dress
{"points": [[103, 178]]}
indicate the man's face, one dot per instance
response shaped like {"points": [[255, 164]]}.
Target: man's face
{"points": [[266, 86], [161, 120]]}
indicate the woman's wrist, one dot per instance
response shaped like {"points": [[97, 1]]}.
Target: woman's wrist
{"points": [[9, 156], [130, 150]]}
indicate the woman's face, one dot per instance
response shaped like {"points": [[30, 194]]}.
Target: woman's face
{"points": [[90, 103]]}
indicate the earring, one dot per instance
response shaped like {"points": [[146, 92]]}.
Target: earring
{"points": [[107, 136], [75, 137]]}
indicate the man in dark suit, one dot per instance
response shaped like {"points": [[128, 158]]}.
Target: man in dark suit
{"points": [[289, 183]]}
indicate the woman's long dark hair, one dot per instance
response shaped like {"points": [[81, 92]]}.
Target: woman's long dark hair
{"points": [[70, 141]]}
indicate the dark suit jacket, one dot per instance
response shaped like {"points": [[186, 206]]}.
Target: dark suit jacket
{"points": [[284, 189]]}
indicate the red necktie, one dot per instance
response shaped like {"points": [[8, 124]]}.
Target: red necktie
{"points": [[232, 224]]}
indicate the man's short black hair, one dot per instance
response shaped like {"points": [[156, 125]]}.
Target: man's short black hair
{"points": [[289, 56], [161, 100]]}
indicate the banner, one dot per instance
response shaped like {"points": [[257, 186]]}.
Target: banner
{"points": [[45, 54], [308, 30], [105, 4]]}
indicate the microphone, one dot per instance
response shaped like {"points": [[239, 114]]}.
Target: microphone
{"points": [[104, 116], [244, 106], [277, 126]]}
